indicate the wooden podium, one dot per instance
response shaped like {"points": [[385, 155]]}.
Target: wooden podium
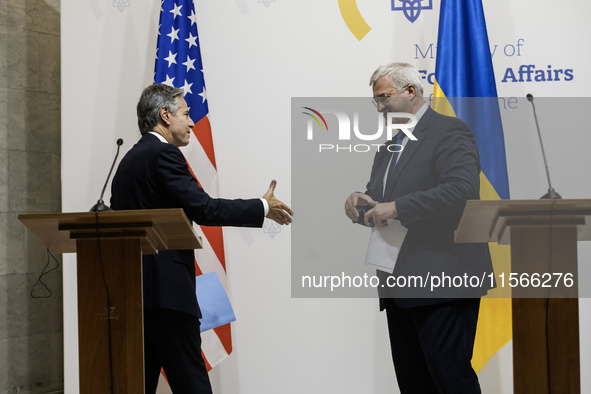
{"points": [[109, 245], [543, 280]]}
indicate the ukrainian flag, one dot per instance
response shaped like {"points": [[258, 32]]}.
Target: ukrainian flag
{"points": [[464, 69]]}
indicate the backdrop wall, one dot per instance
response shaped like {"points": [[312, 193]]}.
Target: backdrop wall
{"points": [[257, 54]]}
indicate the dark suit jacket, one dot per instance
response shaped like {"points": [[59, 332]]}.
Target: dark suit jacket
{"points": [[432, 181], [155, 175]]}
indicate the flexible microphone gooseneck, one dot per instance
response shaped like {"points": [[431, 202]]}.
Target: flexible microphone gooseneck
{"points": [[552, 194], [100, 205]]}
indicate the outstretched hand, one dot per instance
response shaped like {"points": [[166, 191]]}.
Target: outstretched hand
{"points": [[278, 211]]}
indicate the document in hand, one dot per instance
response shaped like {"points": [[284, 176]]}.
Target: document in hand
{"points": [[384, 246], [213, 302]]}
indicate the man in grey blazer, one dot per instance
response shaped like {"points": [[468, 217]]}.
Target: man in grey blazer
{"points": [[426, 187]]}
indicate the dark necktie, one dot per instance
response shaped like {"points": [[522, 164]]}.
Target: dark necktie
{"points": [[395, 155]]}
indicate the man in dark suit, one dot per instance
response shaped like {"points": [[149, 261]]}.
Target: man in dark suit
{"points": [[426, 187], [154, 174]]}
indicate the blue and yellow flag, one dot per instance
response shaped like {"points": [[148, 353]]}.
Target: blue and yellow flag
{"points": [[464, 69]]}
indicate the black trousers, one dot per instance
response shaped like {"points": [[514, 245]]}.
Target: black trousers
{"points": [[172, 341], [432, 346]]}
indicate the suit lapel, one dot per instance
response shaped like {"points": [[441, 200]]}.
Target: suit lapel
{"points": [[409, 150]]}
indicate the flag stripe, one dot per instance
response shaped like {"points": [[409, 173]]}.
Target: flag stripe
{"points": [[202, 168], [202, 131], [207, 364], [207, 259], [215, 237], [197, 269], [213, 348], [225, 335]]}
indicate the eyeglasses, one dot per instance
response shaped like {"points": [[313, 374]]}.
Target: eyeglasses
{"points": [[383, 98]]}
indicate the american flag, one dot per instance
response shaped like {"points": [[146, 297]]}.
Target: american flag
{"points": [[178, 64]]}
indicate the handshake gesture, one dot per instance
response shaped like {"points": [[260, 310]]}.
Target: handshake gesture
{"points": [[278, 211], [362, 209]]}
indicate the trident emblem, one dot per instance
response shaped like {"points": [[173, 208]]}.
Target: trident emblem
{"points": [[411, 8]]}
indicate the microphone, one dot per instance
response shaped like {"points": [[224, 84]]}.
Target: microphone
{"points": [[100, 205], [552, 194]]}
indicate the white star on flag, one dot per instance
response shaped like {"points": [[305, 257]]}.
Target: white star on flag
{"points": [[171, 58], [174, 35], [191, 40], [187, 88], [189, 64], [169, 81], [193, 18], [203, 94], [176, 11]]}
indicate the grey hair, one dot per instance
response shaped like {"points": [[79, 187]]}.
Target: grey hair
{"points": [[153, 98], [401, 75]]}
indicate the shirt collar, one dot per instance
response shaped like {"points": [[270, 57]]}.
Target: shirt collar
{"points": [[161, 138], [421, 112]]}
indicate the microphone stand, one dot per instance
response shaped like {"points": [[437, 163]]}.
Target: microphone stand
{"points": [[551, 194], [100, 204]]}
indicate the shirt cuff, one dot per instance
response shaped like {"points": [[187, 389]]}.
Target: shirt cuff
{"points": [[265, 206]]}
